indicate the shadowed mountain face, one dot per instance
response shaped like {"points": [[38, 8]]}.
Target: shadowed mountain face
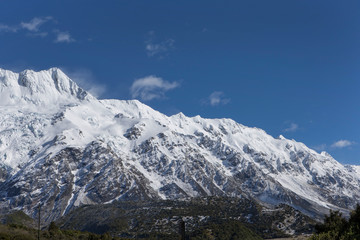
{"points": [[61, 147], [200, 215]]}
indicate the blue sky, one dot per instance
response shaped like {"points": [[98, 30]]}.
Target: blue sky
{"points": [[288, 67]]}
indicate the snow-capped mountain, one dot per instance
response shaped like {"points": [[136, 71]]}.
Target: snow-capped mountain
{"points": [[62, 147]]}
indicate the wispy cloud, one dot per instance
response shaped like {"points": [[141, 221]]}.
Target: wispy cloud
{"points": [[7, 28], [34, 24], [33, 28], [38, 34], [320, 147], [337, 144], [63, 37], [342, 144], [151, 87], [292, 128], [86, 80], [216, 98], [158, 48]]}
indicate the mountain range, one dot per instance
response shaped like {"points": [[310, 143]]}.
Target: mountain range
{"points": [[62, 148]]}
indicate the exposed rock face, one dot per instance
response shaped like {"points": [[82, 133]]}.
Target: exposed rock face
{"points": [[62, 148]]}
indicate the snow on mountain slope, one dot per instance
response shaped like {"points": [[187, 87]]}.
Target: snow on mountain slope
{"points": [[45, 88], [61, 147]]}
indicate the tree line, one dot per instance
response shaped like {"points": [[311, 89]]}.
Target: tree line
{"points": [[337, 227]]}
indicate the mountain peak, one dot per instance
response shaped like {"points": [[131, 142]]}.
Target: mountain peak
{"points": [[47, 87], [281, 137], [66, 146]]}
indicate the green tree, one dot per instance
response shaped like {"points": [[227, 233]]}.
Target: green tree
{"points": [[53, 227], [335, 227], [333, 223]]}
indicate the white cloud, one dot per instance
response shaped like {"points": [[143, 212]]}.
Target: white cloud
{"points": [[63, 37], [320, 147], [154, 48], [292, 128], [35, 23], [151, 87], [7, 28], [342, 144], [32, 29], [86, 80], [217, 98]]}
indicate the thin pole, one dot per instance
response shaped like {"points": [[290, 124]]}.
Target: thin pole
{"points": [[39, 223], [182, 229]]}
